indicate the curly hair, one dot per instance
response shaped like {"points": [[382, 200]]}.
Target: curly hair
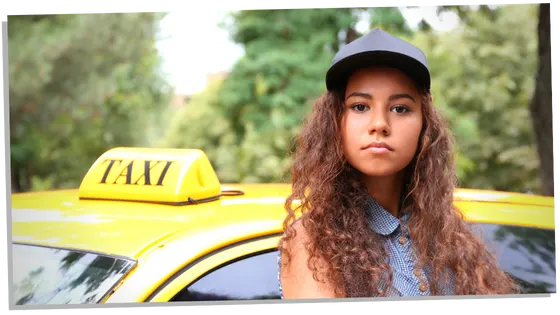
{"points": [[328, 192]]}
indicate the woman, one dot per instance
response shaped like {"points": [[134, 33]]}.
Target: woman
{"points": [[373, 177]]}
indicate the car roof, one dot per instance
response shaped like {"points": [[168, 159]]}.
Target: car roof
{"points": [[61, 219], [124, 228]]}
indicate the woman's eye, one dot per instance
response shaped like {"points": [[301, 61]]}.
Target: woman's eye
{"points": [[360, 107], [399, 109]]}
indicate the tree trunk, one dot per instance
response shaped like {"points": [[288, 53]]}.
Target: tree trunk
{"points": [[16, 186], [541, 105]]}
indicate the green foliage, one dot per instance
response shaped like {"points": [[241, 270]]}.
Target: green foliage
{"points": [[390, 20], [199, 125], [79, 85], [482, 72], [483, 78], [77, 89], [271, 89]]}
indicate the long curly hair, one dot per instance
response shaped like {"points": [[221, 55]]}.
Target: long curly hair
{"points": [[329, 194]]}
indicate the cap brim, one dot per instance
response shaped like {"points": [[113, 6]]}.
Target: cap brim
{"points": [[338, 74]]}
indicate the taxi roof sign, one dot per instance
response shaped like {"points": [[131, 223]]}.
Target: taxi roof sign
{"points": [[169, 176]]}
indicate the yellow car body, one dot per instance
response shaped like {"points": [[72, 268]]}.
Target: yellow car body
{"points": [[177, 232]]}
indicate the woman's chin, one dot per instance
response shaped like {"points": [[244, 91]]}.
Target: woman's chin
{"points": [[379, 170]]}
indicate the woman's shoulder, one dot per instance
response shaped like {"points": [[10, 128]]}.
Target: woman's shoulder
{"points": [[301, 235]]}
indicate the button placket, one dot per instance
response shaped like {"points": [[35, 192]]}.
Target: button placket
{"points": [[420, 277]]}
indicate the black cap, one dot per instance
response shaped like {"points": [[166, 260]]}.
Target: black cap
{"points": [[378, 48]]}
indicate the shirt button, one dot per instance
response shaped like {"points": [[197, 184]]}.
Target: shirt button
{"points": [[402, 240], [423, 287], [417, 273]]}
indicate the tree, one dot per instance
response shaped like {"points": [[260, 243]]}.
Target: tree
{"points": [[541, 104], [270, 90], [482, 81], [79, 84], [200, 125], [390, 20]]}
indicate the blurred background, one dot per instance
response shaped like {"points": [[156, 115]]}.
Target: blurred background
{"points": [[239, 84]]}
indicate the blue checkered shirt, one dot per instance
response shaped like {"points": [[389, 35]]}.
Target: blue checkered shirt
{"points": [[406, 281]]}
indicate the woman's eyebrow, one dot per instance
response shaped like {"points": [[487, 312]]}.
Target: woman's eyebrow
{"points": [[391, 98], [401, 95], [360, 94]]}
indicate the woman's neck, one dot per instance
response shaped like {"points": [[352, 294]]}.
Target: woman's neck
{"points": [[386, 191]]}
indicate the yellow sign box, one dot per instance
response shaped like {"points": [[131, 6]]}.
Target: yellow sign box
{"points": [[169, 176]]}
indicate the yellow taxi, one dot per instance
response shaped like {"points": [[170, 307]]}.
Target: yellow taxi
{"points": [[156, 225]]}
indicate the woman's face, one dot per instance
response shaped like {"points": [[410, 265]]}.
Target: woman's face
{"points": [[381, 121]]}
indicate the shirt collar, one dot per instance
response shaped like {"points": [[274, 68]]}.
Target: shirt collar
{"points": [[381, 221]]}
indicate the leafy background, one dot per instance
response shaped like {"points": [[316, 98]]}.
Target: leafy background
{"points": [[77, 90]]}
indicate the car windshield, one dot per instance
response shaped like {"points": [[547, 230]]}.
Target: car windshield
{"points": [[44, 275]]}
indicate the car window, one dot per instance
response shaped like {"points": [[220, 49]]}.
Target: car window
{"points": [[44, 275], [249, 278], [526, 253]]}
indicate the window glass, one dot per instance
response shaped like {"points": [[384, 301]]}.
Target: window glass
{"points": [[249, 278]]}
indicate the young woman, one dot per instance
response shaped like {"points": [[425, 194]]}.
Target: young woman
{"points": [[373, 177]]}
